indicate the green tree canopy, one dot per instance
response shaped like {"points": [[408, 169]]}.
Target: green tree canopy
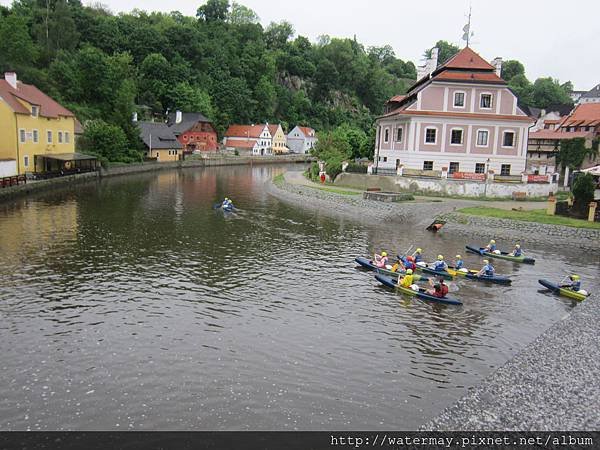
{"points": [[242, 15], [213, 11], [446, 51], [512, 68]]}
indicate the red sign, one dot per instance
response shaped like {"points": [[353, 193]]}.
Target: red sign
{"points": [[468, 176], [537, 179]]}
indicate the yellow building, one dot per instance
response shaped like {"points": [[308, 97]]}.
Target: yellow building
{"points": [[279, 139], [160, 142], [32, 125]]}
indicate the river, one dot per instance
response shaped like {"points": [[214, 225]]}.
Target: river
{"points": [[131, 304]]}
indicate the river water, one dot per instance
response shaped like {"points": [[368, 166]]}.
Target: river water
{"points": [[130, 304]]}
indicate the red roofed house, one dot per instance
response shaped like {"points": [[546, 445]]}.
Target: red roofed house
{"points": [[461, 116], [582, 122], [301, 139], [193, 131], [252, 139], [37, 134]]}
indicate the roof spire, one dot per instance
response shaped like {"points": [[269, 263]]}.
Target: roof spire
{"points": [[467, 33]]}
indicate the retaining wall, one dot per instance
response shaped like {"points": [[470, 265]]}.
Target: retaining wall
{"points": [[442, 186]]}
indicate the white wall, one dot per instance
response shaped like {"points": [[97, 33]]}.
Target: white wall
{"points": [[8, 168]]}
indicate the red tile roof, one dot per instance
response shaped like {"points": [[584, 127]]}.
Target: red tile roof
{"points": [[553, 134], [307, 131], [48, 107], [586, 114], [467, 59], [252, 131], [244, 143], [396, 98], [489, 77]]}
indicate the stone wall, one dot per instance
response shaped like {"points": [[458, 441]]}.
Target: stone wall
{"points": [[44, 185], [443, 187]]}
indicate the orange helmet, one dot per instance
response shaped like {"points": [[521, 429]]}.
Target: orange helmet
{"points": [[410, 258]]}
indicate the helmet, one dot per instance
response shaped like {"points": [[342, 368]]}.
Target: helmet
{"points": [[492, 241], [486, 261], [517, 246], [410, 258], [226, 199], [575, 277], [458, 257], [409, 271], [440, 258], [383, 254], [418, 250]]}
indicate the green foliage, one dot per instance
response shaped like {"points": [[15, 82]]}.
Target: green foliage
{"points": [[108, 142], [314, 171], [583, 191], [446, 51], [16, 46], [213, 11], [512, 68], [547, 91], [242, 15], [572, 153]]}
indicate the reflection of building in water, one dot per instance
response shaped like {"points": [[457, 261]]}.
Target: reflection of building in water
{"points": [[30, 227]]}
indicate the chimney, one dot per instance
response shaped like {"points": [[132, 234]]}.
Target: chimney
{"points": [[11, 78], [497, 63], [430, 64], [135, 118], [178, 116]]}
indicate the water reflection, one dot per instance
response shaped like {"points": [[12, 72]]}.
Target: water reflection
{"points": [[132, 304]]}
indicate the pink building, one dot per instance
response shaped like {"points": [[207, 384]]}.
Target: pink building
{"points": [[461, 116]]}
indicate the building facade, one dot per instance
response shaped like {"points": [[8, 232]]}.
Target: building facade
{"points": [[32, 125], [301, 139], [193, 131], [258, 133], [591, 96], [279, 139], [461, 117], [160, 142]]}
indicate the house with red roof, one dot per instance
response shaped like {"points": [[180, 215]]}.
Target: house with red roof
{"points": [[301, 139], [255, 140], [37, 134], [460, 116], [193, 131]]}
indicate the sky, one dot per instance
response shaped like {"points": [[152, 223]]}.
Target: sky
{"points": [[550, 37]]}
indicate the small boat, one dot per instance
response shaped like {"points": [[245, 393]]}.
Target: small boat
{"points": [[427, 269], [501, 255], [472, 275], [369, 265], [565, 292], [421, 293]]}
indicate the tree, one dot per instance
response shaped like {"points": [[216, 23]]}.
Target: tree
{"points": [[446, 51], [522, 88], [512, 68], [573, 152], [548, 91], [583, 191], [107, 141], [242, 15], [187, 98], [278, 34], [213, 11], [16, 46]]}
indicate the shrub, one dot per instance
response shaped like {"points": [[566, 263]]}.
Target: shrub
{"points": [[583, 191], [314, 171]]}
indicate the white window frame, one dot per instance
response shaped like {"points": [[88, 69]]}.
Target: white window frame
{"points": [[487, 141], [386, 135], [454, 105], [425, 136], [401, 130], [49, 136], [36, 109], [491, 100], [35, 136], [25, 160], [462, 136], [22, 135], [60, 137], [513, 140], [67, 137]]}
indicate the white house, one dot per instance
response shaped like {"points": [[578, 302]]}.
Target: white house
{"points": [[262, 140], [301, 139]]}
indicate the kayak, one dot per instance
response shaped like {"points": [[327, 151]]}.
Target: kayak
{"points": [[446, 275], [565, 292], [369, 265], [501, 255], [472, 275], [422, 294]]}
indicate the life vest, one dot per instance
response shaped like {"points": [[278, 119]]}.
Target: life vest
{"points": [[489, 270], [439, 266], [492, 247], [576, 286], [418, 257], [440, 290], [382, 262], [444, 290], [517, 252], [407, 281], [459, 264]]}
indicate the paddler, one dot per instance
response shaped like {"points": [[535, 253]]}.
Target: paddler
{"points": [[460, 264], [491, 247], [439, 289], [574, 283], [517, 251], [227, 204], [407, 280], [440, 265], [381, 260], [418, 255], [409, 263], [487, 270]]}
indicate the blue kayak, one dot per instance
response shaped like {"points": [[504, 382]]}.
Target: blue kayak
{"points": [[421, 293], [497, 279], [367, 263], [501, 255]]}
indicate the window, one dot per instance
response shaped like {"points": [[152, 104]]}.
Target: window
{"points": [[486, 101], [399, 135], [459, 99], [430, 135], [505, 169], [36, 136], [60, 137], [386, 135], [454, 167], [22, 136], [479, 168], [34, 111], [482, 138], [456, 137], [509, 139], [26, 161], [67, 137], [427, 165], [49, 136]]}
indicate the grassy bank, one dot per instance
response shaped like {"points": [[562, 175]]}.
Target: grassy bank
{"points": [[536, 215]]}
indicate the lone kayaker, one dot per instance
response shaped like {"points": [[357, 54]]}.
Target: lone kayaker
{"points": [[381, 260], [439, 289], [517, 251], [574, 283], [407, 280], [459, 265], [440, 265], [487, 270], [491, 247], [227, 203]]}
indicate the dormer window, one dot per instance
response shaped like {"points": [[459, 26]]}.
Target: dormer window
{"points": [[35, 110], [486, 101]]}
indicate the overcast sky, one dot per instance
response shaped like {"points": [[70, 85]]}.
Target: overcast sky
{"points": [[550, 37]]}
